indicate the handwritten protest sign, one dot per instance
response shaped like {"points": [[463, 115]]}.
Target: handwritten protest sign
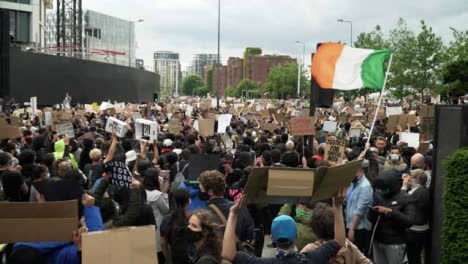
{"points": [[9, 132], [206, 127], [302, 126], [329, 126], [284, 183], [269, 126], [175, 126], [117, 126], [396, 110], [334, 151], [65, 129], [120, 173], [223, 122], [146, 130]]}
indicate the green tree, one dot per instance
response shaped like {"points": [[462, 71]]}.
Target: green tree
{"points": [[230, 92], [429, 59], [190, 83], [282, 81], [456, 79], [247, 85], [458, 47], [201, 91], [403, 44]]}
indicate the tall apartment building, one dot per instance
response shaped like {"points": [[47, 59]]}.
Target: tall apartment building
{"points": [[167, 65], [106, 38], [200, 61], [27, 21]]}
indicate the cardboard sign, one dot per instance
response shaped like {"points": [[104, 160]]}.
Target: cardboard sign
{"points": [[3, 121], [280, 117], [175, 126], [223, 122], [206, 127], [423, 147], [354, 132], [427, 127], [65, 129], [16, 121], [136, 244], [58, 116], [201, 162], [330, 180], [334, 151], [33, 102], [269, 126], [397, 110], [403, 121], [391, 123], [88, 108], [412, 120], [329, 126], [117, 126], [427, 111], [411, 138], [205, 104], [38, 222], [146, 130], [10, 132], [283, 183], [303, 126], [120, 174]]}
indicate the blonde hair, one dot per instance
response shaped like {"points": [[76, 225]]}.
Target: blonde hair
{"points": [[289, 145], [95, 154]]}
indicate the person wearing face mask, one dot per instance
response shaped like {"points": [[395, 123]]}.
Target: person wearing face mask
{"points": [[392, 213], [205, 238], [212, 188], [39, 173], [395, 161], [358, 200], [414, 184]]}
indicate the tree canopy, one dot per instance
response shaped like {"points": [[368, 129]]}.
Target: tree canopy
{"points": [[191, 83], [282, 81]]}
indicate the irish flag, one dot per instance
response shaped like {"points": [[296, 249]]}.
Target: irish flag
{"points": [[336, 66]]}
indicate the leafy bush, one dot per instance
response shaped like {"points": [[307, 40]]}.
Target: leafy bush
{"points": [[455, 202]]}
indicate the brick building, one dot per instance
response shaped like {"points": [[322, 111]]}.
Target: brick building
{"points": [[258, 67], [235, 72]]}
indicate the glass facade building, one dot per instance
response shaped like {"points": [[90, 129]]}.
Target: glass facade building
{"points": [[167, 65]]}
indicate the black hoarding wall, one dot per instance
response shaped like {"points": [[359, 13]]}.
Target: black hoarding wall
{"points": [[4, 53], [49, 77]]}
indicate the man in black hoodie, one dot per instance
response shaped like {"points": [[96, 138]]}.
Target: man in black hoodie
{"points": [[393, 212]]}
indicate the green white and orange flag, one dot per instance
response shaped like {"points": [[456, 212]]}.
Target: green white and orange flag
{"points": [[336, 66]]}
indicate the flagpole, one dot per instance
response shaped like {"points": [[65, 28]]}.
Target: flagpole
{"points": [[380, 98]]}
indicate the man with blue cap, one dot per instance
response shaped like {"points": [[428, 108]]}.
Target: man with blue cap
{"points": [[284, 234]]}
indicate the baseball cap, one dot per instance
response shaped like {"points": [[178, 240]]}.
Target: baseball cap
{"points": [[284, 228], [167, 143]]}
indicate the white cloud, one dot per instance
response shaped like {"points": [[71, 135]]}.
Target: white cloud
{"points": [[190, 26]]}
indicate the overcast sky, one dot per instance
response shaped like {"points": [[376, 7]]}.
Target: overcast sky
{"points": [[190, 26]]}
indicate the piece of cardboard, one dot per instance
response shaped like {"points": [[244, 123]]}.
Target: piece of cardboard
{"points": [[16, 121], [3, 121], [412, 120], [205, 104], [146, 129], [284, 183], [206, 127], [330, 180], [175, 126], [303, 126], [391, 123], [423, 147], [269, 127], [38, 222], [9, 132], [117, 126], [427, 111], [403, 121], [65, 129], [120, 246], [334, 150]]}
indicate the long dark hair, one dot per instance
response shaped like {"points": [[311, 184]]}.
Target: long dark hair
{"points": [[211, 241], [177, 217]]}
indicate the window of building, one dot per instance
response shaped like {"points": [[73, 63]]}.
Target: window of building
{"points": [[20, 26], [28, 2]]}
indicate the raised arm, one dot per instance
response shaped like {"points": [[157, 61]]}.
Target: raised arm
{"points": [[229, 242], [110, 155], [340, 235]]}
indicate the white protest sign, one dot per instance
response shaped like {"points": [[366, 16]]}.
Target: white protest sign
{"points": [[329, 126], [223, 122], [355, 132], [244, 120], [105, 106], [33, 101], [65, 129], [146, 130], [48, 118], [214, 103], [88, 108], [117, 126], [195, 125], [189, 110], [411, 138], [397, 110]]}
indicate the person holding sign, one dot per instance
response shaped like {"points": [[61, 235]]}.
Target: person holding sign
{"points": [[284, 234]]}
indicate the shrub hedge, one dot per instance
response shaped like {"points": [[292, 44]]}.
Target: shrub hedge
{"points": [[455, 208]]}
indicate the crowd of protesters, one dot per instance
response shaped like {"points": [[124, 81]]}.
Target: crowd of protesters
{"points": [[382, 217]]}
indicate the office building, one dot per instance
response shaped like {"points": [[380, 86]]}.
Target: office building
{"points": [[167, 65], [27, 21], [200, 61], [235, 72], [106, 38]]}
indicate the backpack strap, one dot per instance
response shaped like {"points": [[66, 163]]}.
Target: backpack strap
{"points": [[183, 169], [177, 164], [218, 213]]}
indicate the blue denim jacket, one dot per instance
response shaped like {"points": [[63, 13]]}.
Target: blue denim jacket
{"points": [[359, 197]]}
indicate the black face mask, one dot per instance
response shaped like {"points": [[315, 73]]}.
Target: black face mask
{"points": [[195, 236], [203, 196]]}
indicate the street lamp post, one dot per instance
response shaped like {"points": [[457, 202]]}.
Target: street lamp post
{"points": [[130, 40], [299, 67], [219, 59], [351, 24]]}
